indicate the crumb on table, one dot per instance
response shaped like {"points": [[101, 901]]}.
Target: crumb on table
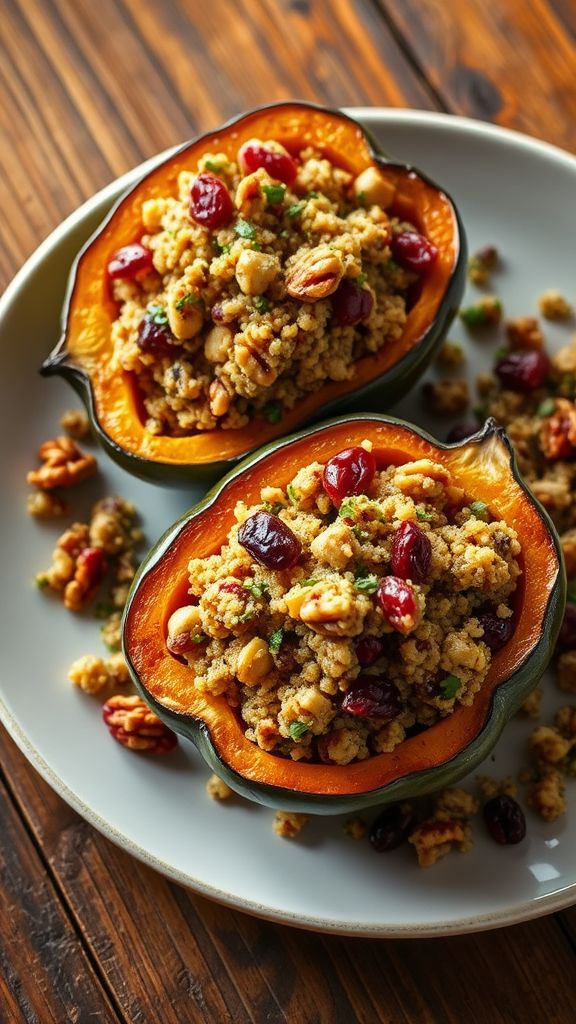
{"points": [[218, 789], [289, 823], [446, 397], [76, 423], [553, 305]]}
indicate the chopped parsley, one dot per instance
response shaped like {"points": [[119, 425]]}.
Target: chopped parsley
{"points": [[256, 589], [423, 515], [275, 640], [187, 300], [361, 198], [274, 193], [273, 507], [246, 615], [547, 407], [297, 730], [260, 302], [307, 583], [347, 509], [256, 247], [245, 229], [365, 581], [295, 210], [198, 638], [361, 279], [157, 314], [449, 687], [292, 493], [273, 412], [41, 581], [480, 510], [221, 250], [216, 168]]}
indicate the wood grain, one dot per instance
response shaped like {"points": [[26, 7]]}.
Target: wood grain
{"points": [[505, 62], [161, 949]]}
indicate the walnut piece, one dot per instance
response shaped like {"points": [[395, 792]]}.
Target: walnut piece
{"points": [[315, 274], [134, 725], [63, 465]]}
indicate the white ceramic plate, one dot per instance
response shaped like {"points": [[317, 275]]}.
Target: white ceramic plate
{"points": [[513, 192]]}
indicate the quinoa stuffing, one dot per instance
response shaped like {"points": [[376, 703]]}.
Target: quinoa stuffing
{"points": [[253, 285], [337, 623]]}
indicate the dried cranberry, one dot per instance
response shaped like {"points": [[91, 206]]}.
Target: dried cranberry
{"points": [[398, 603], [349, 472], [270, 541], [210, 202], [351, 304], [392, 827], [413, 251], [371, 697], [231, 587], [505, 820], [129, 261], [523, 370], [93, 564], [461, 432], [279, 166], [567, 636], [497, 631], [411, 553], [154, 337], [182, 643], [217, 313], [369, 649]]}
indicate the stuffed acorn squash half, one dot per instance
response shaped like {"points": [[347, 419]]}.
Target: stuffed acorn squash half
{"points": [[275, 269], [351, 616]]}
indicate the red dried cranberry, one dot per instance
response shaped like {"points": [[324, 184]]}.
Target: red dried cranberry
{"points": [[369, 649], [411, 553], [497, 631], [279, 166], [349, 472], [567, 636], [231, 587], [270, 541], [217, 313], [155, 337], [413, 251], [182, 643], [210, 202], [92, 561], [371, 697], [461, 432], [351, 304], [129, 261], [505, 820], [392, 827], [523, 370], [398, 603]]}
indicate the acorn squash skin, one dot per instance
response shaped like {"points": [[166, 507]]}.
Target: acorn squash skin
{"points": [[84, 350], [435, 758]]}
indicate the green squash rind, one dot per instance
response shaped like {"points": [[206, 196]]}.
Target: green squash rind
{"points": [[506, 700], [378, 394]]}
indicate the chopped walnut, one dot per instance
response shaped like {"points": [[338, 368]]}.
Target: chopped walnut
{"points": [[76, 423], [524, 332], [553, 305], [558, 431], [218, 789], [567, 671], [446, 397], [134, 725], [46, 505], [63, 465], [546, 795], [433, 839], [531, 706], [289, 823]]}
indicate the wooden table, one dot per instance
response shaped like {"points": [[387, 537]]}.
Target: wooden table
{"points": [[88, 90]]}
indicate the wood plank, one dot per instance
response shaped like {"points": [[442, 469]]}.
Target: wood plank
{"points": [[91, 89], [45, 974], [162, 949], [503, 62]]}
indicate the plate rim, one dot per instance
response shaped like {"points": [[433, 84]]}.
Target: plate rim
{"points": [[536, 906]]}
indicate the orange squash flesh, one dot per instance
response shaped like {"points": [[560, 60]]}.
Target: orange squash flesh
{"points": [[481, 467], [87, 344]]}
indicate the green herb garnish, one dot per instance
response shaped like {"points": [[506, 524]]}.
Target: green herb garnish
{"points": [[292, 493], [307, 583], [216, 168], [449, 687], [157, 314], [246, 615], [273, 412], [480, 510], [221, 249], [295, 210], [273, 507], [187, 300], [361, 198], [347, 509], [486, 312], [368, 583], [256, 589], [423, 515], [245, 229], [361, 279], [41, 581], [275, 640], [547, 407], [198, 638], [274, 193], [260, 302], [297, 730]]}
